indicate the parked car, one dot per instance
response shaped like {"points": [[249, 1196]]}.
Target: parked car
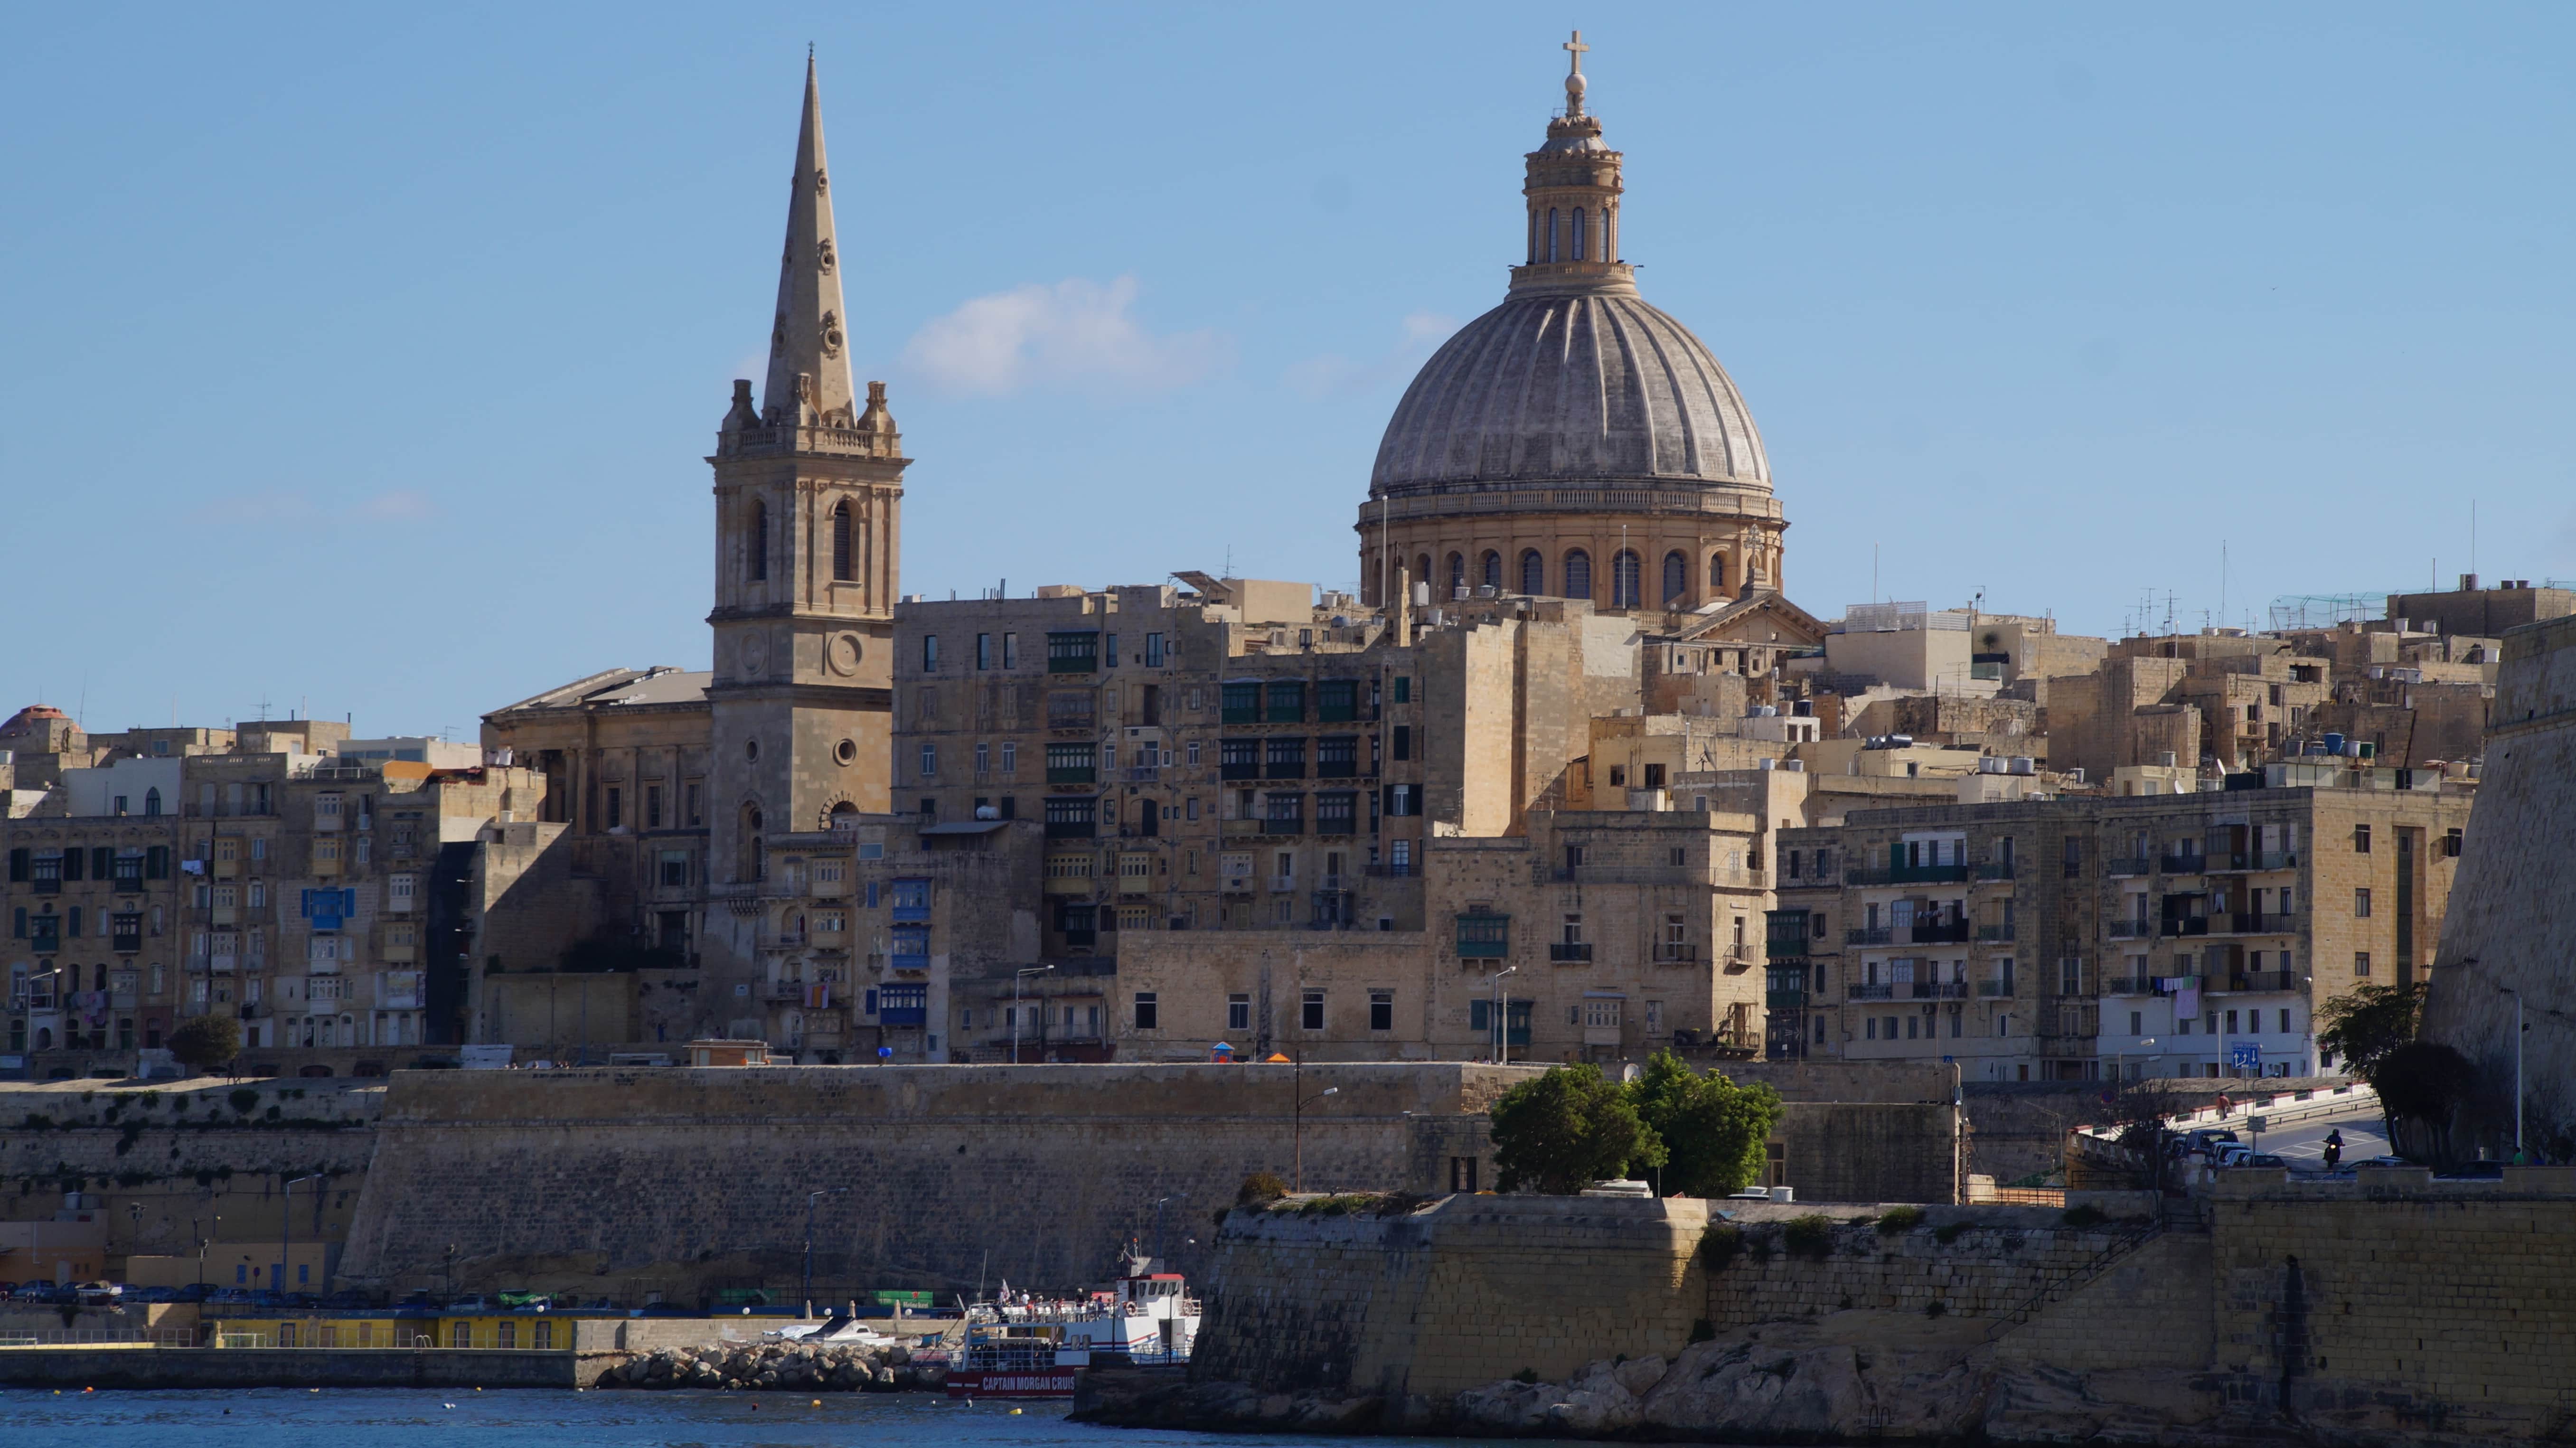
{"points": [[193, 1292], [151, 1294], [350, 1297]]}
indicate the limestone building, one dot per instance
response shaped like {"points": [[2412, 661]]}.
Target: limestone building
{"points": [[1575, 441], [670, 781], [2093, 935]]}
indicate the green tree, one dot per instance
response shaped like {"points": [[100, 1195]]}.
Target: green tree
{"points": [[205, 1042], [2365, 1026], [1712, 1129], [1566, 1130], [2423, 1081]]}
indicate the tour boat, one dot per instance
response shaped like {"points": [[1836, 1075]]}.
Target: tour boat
{"points": [[1029, 1347]]}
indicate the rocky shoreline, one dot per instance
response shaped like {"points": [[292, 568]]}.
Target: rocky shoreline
{"points": [[1789, 1391], [769, 1367]]}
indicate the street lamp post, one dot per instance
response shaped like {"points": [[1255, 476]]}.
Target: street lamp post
{"points": [[810, 1199], [1502, 1029], [1018, 981], [286, 1222], [1297, 1134]]}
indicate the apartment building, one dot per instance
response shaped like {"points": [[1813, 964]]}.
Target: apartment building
{"points": [[2094, 935]]}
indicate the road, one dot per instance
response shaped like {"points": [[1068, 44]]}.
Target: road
{"points": [[2302, 1143]]}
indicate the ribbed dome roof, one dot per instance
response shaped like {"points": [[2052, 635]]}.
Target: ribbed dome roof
{"points": [[1580, 386]]}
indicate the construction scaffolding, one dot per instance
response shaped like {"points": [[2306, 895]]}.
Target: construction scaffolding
{"points": [[2328, 610]]}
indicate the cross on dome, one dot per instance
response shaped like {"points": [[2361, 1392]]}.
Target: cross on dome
{"points": [[1574, 83]]}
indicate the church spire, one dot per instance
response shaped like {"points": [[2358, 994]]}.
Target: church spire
{"points": [[809, 357]]}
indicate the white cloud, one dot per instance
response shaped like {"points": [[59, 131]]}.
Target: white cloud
{"points": [[1333, 375], [1077, 332], [402, 505]]}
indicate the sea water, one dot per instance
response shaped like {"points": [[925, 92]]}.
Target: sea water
{"points": [[542, 1418]]}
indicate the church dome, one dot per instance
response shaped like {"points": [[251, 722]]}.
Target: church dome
{"points": [[1584, 384]]}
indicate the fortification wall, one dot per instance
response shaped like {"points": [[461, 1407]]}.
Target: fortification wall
{"points": [[2507, 926], [958, 1175], [166, 1161], [1872, 1152], [1442, 1297], [1997, 1260]]}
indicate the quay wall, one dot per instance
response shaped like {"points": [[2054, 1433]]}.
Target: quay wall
{"points": [[252, 1367], [957, 1176]]}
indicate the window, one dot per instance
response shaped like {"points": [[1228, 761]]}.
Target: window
{"points": [[758, 540], [2361, 839], [652, 808], [1284, 702], [1153, 651], [2071, 852], [675, 869], [2361, 905], [1578, 231], [1676, 579], [1147, 1015], [1533, 572], [1310, 1011], [2361, 963], [1010, 757], [1337, 813], [1403, 799], [2070, 976], [616, 807], [1010, 651], [1402, 744], [1623, 579], [929, 760], [1072, 651], [1337, 700], [983, 651], [930, 653], [842, 571], [1578, 574], [1238, 1013], [1381, 1010]]}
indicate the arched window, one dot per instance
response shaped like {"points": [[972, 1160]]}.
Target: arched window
{"points": [[1533, 572], [1422, 570], [1676, 579], [1457, 574], [1623, 580], [841, 552], [749, 864], [1578, 574], [152, 801], [1551, 233], [1716, 572], [759, 540], [1494, 571], [1533, 236], [1578, 233]]}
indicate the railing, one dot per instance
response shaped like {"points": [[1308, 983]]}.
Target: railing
{"points": [[1570, 952], [2262, 981], [2275, 860], [2131, 929], [1736, 955], [1236, 884], [1869, 935], [1940, 990], [2184, 925], [1072, 774], [2130, 985], [1284, 827], [1994, 934], [1991, 989], [1283, 884], [1996, 870], [125, 944], [1871, 992], [1676, 954], [1940, 932], [1908, 875], [1284, 769], [2247, 922], [1790, 998], [1393, 871], [2131, 865], [2183, 864]]}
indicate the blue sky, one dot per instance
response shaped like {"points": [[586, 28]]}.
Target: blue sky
{"points": [[363, 360]]}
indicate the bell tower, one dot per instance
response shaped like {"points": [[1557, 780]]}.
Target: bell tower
{"points": [[809, 499]]}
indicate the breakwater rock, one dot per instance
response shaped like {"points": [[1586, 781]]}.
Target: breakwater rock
{"points": [[785, 1367]]}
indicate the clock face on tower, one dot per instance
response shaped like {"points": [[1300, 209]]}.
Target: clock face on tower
{"points": [[754, 653]]}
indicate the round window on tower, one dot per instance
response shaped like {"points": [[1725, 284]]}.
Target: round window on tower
{"points": [[847, 751], [751, 750]]}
